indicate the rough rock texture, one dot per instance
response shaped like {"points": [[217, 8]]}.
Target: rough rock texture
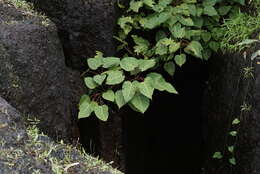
{"points": [[233, 93], [33, 75], [26, 151], [87, 26]]}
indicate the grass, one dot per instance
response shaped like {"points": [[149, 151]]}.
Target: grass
{"points": [[39, 150], [240, 27], [62, 165]]}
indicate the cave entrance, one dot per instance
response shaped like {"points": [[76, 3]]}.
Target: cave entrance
{"points": [[168, 138]]}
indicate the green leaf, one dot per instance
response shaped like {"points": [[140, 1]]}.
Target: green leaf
{"points": [[180, 59], [140, 102], [146, 87], [85, 108], [101, 112], [217, 155], [199, 11], [185, 21], [206, 36], [109, 95], [160, 83], [96, 62], [248, 41], [149, 3], [99, 79], [232, 161], [182, 9], [178, 31], [206, 54], [135, 5], [233, 133], [198, 22], [124, 23], [160, 35], [115, 77], [173, 47], [154, 20], [231, 149], [223, 10], [242, 2], [162, 5], [146, 64], [169, 88], [194, 48], [129, 63], [207, 3], [192, 9], [90, 83], [141, 46], [119, 98], [190, 1], [214, 46], [128, 91], [84, 98], [169, 67], [210, 11], [171, 21], [161, 48], [109, 62]]}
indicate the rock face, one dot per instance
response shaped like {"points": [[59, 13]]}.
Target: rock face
{"points": [[25, 150], [33, 75], [84, 26], [233, 92]]}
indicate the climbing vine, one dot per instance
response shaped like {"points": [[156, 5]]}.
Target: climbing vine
{"points": [[154, 36]]}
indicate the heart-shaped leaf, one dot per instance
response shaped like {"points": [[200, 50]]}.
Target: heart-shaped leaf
{"points": [[129, 63], [146, 87], [169, 67], [128, 91], [109, 62], [109, 95], [115, 77], [180, 59], [119, 98], [99, 79], [90, 83], [140, 102], [101, 112]]}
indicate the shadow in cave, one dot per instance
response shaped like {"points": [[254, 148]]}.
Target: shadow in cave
{"points": [[168, 138]]}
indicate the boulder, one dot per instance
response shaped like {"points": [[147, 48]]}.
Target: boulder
{"points": [[84, 26], [33, 74]]}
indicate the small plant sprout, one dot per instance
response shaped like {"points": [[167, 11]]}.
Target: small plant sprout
{"points": [[217, 155]]}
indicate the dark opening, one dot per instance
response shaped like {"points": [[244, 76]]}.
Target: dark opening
{"points": [[168, 138], [89, 135]]}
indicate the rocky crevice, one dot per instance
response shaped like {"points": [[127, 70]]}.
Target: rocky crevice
{"points": [[85, 27]]}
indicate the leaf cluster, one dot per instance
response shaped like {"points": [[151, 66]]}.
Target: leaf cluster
{"points": [[120, 81], [153, 35]]}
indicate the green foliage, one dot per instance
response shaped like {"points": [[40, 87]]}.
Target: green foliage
{"points": [[240, 27], [154, 36]]}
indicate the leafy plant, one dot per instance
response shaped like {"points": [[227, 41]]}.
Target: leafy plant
{"points": [[154, 36], [238, 30]]}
